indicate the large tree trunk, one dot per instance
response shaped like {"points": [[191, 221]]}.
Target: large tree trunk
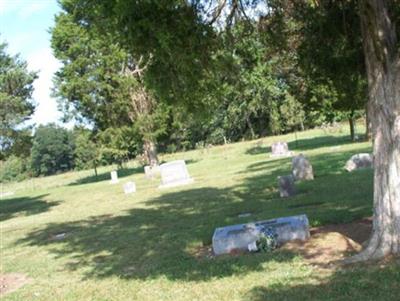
{"points": [[151, 153], [383, 69]]}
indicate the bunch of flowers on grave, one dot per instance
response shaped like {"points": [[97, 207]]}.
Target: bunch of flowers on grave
{"points": [[268, 240]]}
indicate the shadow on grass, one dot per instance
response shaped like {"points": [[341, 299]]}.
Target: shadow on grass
{"points": [[105, 176], [11, 207], [165, 238], [357, 283], [305, 144]]}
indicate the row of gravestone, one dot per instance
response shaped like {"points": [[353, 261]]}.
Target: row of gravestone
{"points": [[244, 237], [172, 174]]}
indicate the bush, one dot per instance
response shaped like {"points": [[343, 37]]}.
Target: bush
{"points": [[13, 169]]}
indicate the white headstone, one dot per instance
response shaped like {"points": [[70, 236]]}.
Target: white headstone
{"points": [[280, 149], [174, 174], [129, 187], [114, 177]]}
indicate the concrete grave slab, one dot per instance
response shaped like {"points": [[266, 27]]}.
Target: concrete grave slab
{"points": [[239, 237]]}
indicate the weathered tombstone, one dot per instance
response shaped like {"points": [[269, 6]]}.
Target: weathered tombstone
{"points": [[302, 168], [280, 149], [358, 161], [239, 237], [151, 171], [114, 177], [286, 186], [129, 187], [174, 174]]}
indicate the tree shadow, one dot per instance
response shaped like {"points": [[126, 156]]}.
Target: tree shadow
{"points": [[305, 144], [163, 239], [105, 176], [372, 282], [12, 207], [319, 142]]}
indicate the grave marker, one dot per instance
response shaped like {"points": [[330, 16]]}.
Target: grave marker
{"points": [[239, 237], [174, 174]]}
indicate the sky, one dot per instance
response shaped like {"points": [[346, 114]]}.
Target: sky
{"points": [[24, 25]]}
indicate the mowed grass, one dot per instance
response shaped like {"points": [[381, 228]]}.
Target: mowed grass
{"points": [[146, 246]]}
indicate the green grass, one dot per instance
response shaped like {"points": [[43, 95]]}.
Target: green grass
{"points": [[143, 246]]}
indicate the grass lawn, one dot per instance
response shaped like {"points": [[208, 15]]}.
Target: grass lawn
{"points": [[146, 246]]}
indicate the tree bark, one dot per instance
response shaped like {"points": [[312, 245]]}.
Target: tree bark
{"points": [[352, 127], [249, 124], [383, 70], [368, 130], [151, 153]]}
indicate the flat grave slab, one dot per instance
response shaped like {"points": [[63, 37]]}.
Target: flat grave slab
{"points": [[239, 237]]}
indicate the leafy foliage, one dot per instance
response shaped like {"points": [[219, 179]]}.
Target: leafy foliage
{"points": [[16, 88], [52, 150]]}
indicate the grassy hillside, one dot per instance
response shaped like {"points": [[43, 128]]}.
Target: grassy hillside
{"points": [[148, 246]]}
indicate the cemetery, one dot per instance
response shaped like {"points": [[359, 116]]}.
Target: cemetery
{"points": [[199, 150], [214, 230]]}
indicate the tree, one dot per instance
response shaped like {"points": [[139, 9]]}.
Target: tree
{"points": [[103, 83], [52, 150], [141, 23], [16, 88], [87, 153], [382, 55]]}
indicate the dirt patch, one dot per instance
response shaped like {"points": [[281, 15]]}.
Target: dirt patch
{"points": [[11, 282], [332, 243]]}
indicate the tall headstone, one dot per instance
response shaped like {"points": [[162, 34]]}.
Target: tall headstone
{"points": [[129, 187], [239, 237], [174, 174], [302, 168], [114, 177], [359, 161], [286, 186], [280, 149]]}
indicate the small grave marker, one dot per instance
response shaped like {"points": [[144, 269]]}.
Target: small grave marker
{"points": [[114, 177], [129, 187]]}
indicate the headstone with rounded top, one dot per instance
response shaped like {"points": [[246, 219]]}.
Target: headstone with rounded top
{"points": [[286, 186], [302, 168]]}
